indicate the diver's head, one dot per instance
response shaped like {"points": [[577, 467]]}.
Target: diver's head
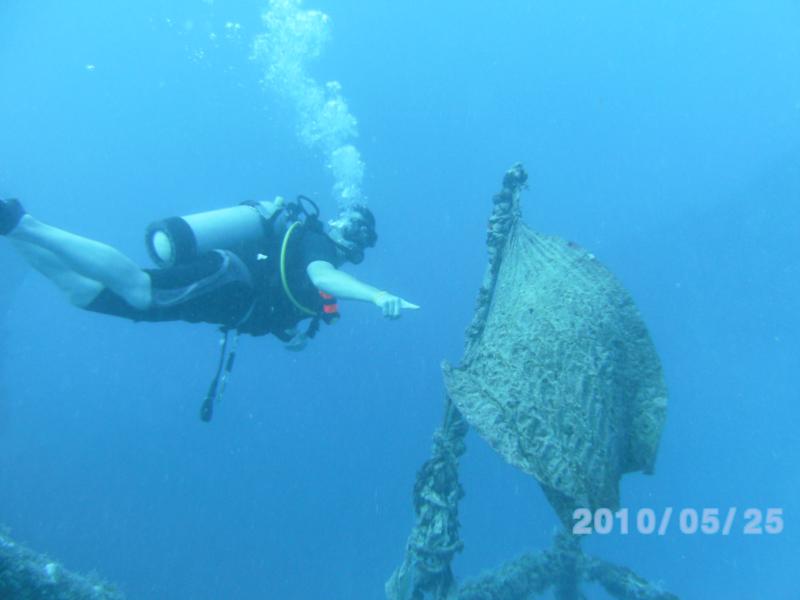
{"points": [[353, 231]]}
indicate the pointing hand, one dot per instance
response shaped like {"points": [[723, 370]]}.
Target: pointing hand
{"points": [[391, 305]]}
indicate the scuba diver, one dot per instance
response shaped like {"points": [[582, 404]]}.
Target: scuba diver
{"points": [[257, 268]]}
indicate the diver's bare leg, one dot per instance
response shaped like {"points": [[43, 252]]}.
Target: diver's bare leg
{"points": [[86, 258], [80, 290]]}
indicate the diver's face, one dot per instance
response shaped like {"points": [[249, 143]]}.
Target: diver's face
{"points": [[345, 248], [349, 228], [356, 230]]}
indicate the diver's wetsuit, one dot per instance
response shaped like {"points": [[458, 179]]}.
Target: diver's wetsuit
{"points": [[238, 292]]}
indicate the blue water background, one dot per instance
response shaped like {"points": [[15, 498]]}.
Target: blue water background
{"points": [[665, 137]]}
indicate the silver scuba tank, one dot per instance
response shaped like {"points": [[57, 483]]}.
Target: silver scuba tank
{"points": [[176, 240]]}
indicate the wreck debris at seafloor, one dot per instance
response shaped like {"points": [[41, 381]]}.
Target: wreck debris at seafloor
{"points": [[26, 575]]}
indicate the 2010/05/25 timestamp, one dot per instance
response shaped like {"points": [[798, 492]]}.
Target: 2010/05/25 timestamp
{"points": [[689, 521]]}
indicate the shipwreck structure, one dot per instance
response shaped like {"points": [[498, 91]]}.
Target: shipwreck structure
{"points": [[26, 575], [560, 376]]}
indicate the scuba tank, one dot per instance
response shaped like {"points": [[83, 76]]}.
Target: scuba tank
{"points": [[176, 240]]}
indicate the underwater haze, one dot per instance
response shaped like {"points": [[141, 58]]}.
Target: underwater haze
{"points": [[662, 136]]}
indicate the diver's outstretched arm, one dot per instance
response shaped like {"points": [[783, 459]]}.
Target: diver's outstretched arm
{"points": [[342, 285], [79, 266]]}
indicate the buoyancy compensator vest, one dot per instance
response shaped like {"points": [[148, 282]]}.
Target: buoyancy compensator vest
{"points": [[260, 233]]}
